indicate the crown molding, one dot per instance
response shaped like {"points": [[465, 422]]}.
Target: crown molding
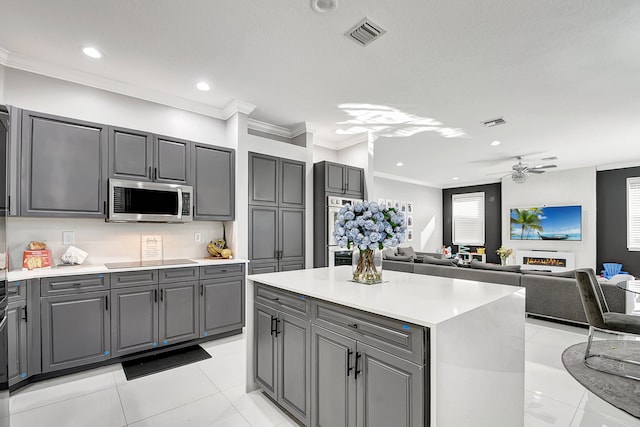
{"points": [[340, 145], [269, 128], [237, 106], [299, 129], [4, 56], [623, 165]]}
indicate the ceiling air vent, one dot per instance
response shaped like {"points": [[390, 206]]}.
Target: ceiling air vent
{"points": [[365, 32], [494, 122]]}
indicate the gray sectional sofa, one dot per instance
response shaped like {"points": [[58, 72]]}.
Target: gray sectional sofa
{"points": [[549, 295]]}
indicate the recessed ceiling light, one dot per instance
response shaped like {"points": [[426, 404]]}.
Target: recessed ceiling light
{"points": [[455, 178], [399, 164], [324, 6], [92, 52], [203, 86], [495, 143]]}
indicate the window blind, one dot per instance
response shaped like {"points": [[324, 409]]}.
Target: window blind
{"points": [[468, 218], [633, 214]]}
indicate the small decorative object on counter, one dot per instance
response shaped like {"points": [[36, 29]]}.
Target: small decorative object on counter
{"points": [[73, 256], [504, 253], [369, 227], [36, 256], [218, 249]]}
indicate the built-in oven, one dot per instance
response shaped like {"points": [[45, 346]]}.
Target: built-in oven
{"points": [[339, 256]]}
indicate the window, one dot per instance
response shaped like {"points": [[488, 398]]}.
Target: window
{"points": [[633, 214], [468, 218]]}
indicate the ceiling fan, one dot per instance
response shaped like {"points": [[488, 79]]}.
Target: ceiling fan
{"points": [[519, 172]]}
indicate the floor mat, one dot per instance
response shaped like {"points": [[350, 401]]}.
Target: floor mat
{"points": [[161, 362]]}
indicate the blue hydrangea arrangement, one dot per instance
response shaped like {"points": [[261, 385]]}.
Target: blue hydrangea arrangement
{"points": [[369, 226]]}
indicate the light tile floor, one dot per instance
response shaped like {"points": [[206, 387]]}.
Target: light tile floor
{"points": [[211, 392]]}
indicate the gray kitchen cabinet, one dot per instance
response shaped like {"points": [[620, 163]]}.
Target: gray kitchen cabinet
{"points": [[291, 235], [5, 167], [143, 156], [221, 305], [17, 317], [63, 167], [213, 180], [275, 181], [178, 312], [75, 330], [340, 179], [134, 319], [354, 186], [333, 379], [334, 178], [282, 359]]}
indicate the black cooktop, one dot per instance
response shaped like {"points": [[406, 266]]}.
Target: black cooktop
{"points": [[131, 264]]}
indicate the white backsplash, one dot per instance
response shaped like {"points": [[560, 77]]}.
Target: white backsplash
{"points": [[109, 242]]}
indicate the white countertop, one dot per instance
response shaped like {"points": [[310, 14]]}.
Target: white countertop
{"points": [[101, 268], [415, 298]]}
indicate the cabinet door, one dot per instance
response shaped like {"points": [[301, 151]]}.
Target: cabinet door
{"points": [[5, 155], [333, 386], [214, 184], [17, 341], [292, 183], [178, 312], [260, 267], [171, 160], [130, 154], [134, 319], [263, 232], [64, 167], [75, 330], [355, 182], [334, 178], [291, 235], [221, 305], [263, 180], [294, 371], [291, 265], [265, 360], [390, 390]]}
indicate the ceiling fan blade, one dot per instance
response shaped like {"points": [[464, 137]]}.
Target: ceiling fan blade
{"points": [[545, 167], [536, 171]]}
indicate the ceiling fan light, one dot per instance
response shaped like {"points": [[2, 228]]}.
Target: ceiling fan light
{"points": [[519, 177]]}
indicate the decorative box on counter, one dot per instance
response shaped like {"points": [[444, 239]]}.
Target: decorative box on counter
{"points": [[36, 259]]}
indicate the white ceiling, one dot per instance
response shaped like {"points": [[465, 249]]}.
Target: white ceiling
{"points": [[564, 74]]}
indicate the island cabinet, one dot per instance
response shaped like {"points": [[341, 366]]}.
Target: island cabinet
{"points": [[74, 320], [63, 168], [282, 349], [144, 156]]}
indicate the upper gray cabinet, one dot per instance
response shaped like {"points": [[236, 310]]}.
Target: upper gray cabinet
{"points": [[341, 179], [64, 167], [143, 156], [275, 181], [213, 180]]}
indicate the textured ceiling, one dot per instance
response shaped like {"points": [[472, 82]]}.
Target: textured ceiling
{"points": [[563, 74]]}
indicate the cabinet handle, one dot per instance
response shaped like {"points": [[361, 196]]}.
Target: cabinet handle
{"points": [[349, 367], [155, 295], [106, 302], [353, 325], [149, 172], [276, 299], [277, 323], [358, 371], [8, 203], [155, 173], [161, 294], [25, 314], [201, 290], [273, 329]]}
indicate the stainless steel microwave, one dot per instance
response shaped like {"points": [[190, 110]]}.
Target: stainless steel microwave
{"points": [[139, 201]]}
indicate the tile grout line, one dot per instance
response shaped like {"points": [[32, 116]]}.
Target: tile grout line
{"points": [[124, 414], [60, 401], [235, 408]]}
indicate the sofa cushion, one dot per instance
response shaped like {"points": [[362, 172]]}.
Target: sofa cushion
{"points": [[571, 274], [405, 258], [494, 267], [439, 261], [388, 252], [407, 251]]}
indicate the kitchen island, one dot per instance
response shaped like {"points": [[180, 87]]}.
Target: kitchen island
{"points": [[415, 350]]}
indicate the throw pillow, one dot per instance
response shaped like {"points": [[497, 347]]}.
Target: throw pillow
{"points": [[408, 251], [571, 274], [438, 261], [386, 253], [404, 258], [495, 267]]}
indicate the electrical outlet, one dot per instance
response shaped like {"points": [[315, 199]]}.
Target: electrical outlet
{"points": [[197, 237], [68, 238]]}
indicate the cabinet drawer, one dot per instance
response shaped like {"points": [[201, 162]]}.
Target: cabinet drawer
{"points": [[134, 278], [393, 336], [17, 291], [72, 284], [214, 271], [288, 302], [182, 274]]}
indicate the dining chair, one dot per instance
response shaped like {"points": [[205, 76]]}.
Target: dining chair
{"points": [[603, 321]]}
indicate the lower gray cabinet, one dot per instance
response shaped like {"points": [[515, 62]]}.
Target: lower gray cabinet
{"points": [[282, 359], [134, 319], [17, 341], [178, 312], [75, 330], [221, 305]]}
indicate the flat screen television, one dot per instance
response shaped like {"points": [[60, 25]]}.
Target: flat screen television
{"points": [[547, 223]]}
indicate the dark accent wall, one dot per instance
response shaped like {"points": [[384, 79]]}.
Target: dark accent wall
{"points": [[611, 220], [492, 216]]}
